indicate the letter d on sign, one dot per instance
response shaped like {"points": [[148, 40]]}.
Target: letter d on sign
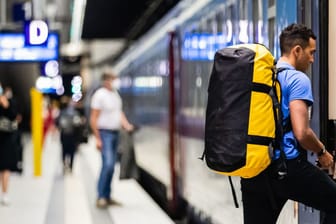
{"points": [[37, 32]]}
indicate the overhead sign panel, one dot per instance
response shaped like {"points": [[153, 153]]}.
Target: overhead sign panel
{"points": [[36, 32], [13, 48]]}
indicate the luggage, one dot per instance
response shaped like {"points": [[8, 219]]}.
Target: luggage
{"points": [[243, 114]]}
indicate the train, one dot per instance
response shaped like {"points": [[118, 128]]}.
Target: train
{"points": [[164, 79]]}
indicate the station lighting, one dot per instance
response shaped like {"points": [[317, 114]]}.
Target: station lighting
{"points": [[148, 82], [50, 85], [51, 68], [76, 88]]}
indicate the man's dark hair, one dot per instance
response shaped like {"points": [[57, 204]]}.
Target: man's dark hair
{"points": [[108, 76], [295, 34]]}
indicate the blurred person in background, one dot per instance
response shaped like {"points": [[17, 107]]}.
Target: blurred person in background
{"points": [[50, 113], [8, 158], [106, 119], [68, 122], [16, 139]]}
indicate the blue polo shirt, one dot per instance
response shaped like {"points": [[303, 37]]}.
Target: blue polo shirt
{"points": [[295, 85]]}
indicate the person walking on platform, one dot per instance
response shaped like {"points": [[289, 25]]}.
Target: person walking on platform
{"points": [[16, 130], [265, 195], [68, 122], [106, 119], [8, 125]]}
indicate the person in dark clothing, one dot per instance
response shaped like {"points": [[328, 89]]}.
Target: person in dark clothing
{"points": [[16, 138], [17, 141], [68, 122], [8, 160]]}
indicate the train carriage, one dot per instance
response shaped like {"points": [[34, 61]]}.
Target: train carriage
{"points": [[164, 80]]}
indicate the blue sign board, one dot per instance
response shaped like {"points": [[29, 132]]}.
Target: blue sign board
{"points": [[13, 48], [36, 32], [202, 46]]}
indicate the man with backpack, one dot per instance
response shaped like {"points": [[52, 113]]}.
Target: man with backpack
{"points": [[265, 194]]}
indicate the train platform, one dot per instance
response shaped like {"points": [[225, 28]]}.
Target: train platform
{"points": [[57, 198]]}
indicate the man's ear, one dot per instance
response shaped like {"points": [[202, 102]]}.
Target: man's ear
{"points": [[297, 49]]}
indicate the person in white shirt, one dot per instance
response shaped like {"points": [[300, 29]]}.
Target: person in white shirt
{"points": [[106, 119]]}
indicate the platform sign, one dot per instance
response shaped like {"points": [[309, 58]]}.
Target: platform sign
{"points": [[13, 47], [18, 14], [36, 32]]}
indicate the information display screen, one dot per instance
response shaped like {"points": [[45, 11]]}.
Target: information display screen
{"points": [[13, 48]]}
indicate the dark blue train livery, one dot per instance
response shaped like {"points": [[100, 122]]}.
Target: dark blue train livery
{"points": [[164, 80]]}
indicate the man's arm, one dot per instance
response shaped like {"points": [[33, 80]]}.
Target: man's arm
{"points": [[93, 122], [4, 102], [125, 123], [304, 134]]}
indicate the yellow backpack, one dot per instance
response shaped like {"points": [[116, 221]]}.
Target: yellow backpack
{"points": [[243, 114]]}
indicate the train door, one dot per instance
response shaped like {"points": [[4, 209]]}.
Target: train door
{"points": [[328, 23], [330, 18], [175, 203], [309, 14], [281, 13]]}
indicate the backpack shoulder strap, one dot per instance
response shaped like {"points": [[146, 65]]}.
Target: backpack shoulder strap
{"points": [[280, 129]]}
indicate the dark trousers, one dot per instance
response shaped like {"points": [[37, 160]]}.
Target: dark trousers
{"points": [[265, 195], [69, 146]]}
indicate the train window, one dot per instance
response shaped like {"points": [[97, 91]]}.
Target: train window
{"points": [[271, 2], [305, 15], [203, 27], [257, 16], [227, 26], [271, 36], [220, 19], [332, 55], [243, 36], [220, 23], [212, 24], [232, 25], [271, 26], [149, 83]]}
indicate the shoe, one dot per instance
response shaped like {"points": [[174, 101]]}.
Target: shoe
{"points": [[113, 202], [101, 203], [66, 170], [5, 200]]}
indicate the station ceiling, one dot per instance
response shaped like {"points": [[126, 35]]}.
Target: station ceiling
{"points": [[126, 19]]}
